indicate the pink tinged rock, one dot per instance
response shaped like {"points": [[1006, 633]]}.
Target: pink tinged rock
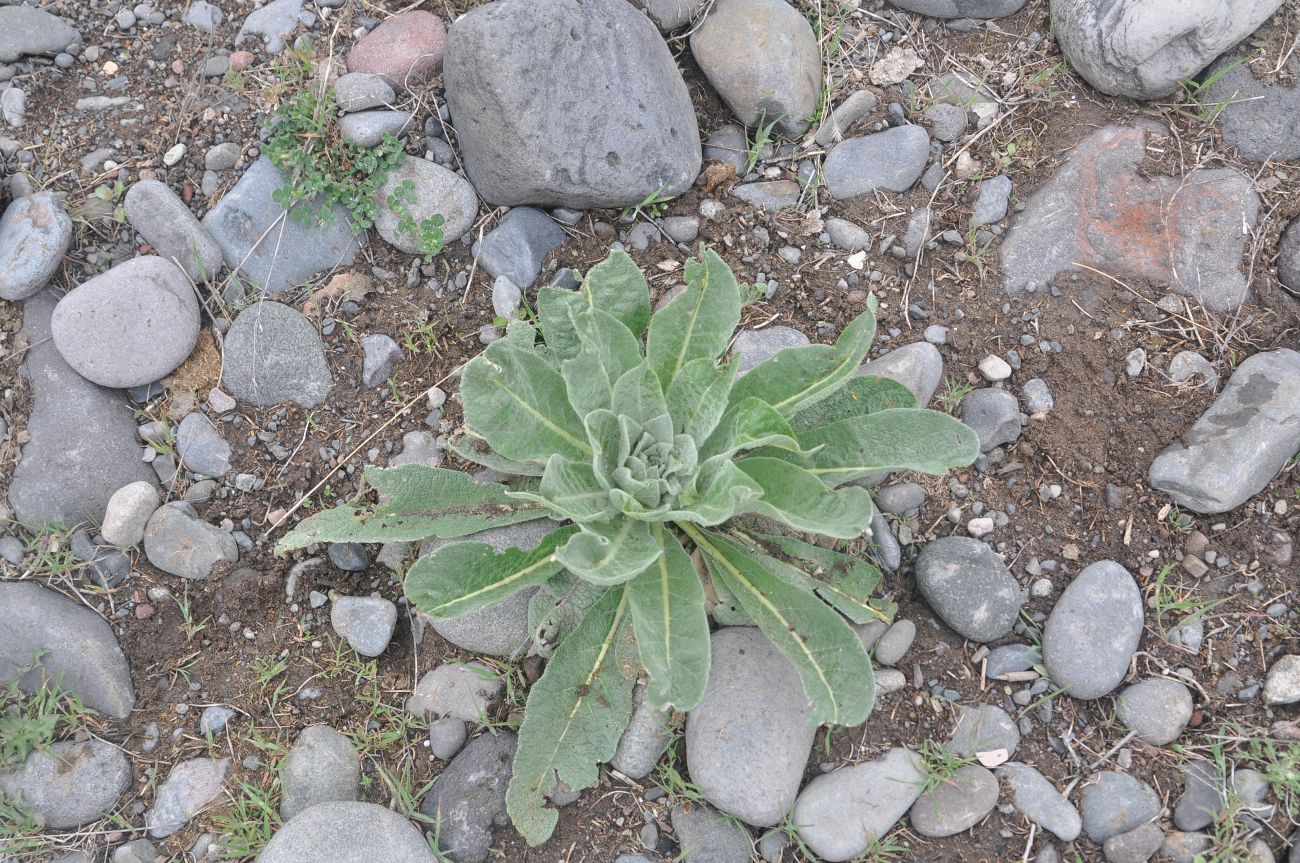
{"points": [[406, 50], [189, 788]]}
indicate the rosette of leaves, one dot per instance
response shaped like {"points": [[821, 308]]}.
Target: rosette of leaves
{"points": [[672, 477]]}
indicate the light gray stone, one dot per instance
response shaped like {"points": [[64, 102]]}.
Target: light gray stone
{"points": [[188, 789], [900, 498], [214, 719], [644, 740], [357, 91], [202, 448], [705, 836], [348, 832], [446, 737], [1135, 846], [469, 797], [128, 512], [918, 366], [161, 217], [894, 644], [755, 346], [947, 122], [838, 815], [368, 128], [847, 235], [179, 543], [841, 118], [1282, 685], [1035, 797], [1037, 397], [728, 144], [435, 191], [1158, 709], [991, 205], [274, 22], [204, 15], [969, 587], [26, 31], [1204, 796], [366, 622], [135, 851], [322, 767], [1261, 120], [993, 414], [462, 691], [517, 246], [69, 784], [273, 354], [891, 160], [1093, 631], [1115, 803], [770, 195], [670, 15], [35, 232], [956, 804], [381, 355], [961, 8], [984, 728], [222, 157], [1180, 847]]}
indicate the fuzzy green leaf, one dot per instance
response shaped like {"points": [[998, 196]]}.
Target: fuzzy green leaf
{"points": [[845, 581], [557, 608], [473, 448], [721, 490], [609, 553], [672, 629], [570, 490], [802, 501], [865, 394], [698, 322], [639, 395], [462, 577], [925, 441], [557, 311], [575, 716], [829, 656], [520, 405], [749, 424], [616, 285], [608, 350], [697, 397], [418, 502]]}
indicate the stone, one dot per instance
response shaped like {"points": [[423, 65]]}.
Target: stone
{"points": [[918, 366], [513, 68], [462, 691], [357, 91], [956, 804], [13, 106], [506, 297], [368, 128], [35, 232], [1115, 803], [202, 448], [900, 498], [994, 368], [128, 512], [1158, 709], [322, 767], [755, 346], [962, 8], [348, 832], [135, 851], [381, 354], [728, 144], [670, 15], [1241, 441], [1185, 232], [349, 556], [705, 836], [969, 587], [840, 119], [748, 738], [274, 22], [405, 50], [1288, 257], [1035, 797], [204, 16], [847, 235], [214, 719], [891, 160], [839, 815], [222, 157], [991, 204], [1093, 631], [435, 191], [275, 252], [984, 728], [446, 737], [418, 447], [179, 543], [517, 246], [1037, 398], [993, 414], [272, 355], [1282, 684], [66, 785], [1135, 846], [763, 59], [1143, 50], [30, 32], [770, 195], [894, 644], [72, 644], [947, 122], [644, 740], [188, 789], [1203, 797], [469, 797], [166, 223], [1188, 364], [1180, 847], [366, 622]]}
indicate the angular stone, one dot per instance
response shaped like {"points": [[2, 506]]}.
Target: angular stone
{"points": [[273, 354], [357, 91], [993, 414], [1282, 685], [347, 832], [1203, 797], [755, 346], [1158, 709], [366, 622], [1184, 232], [179, 543], [469, 797], [517, 247], [768, 195], [891, 160], [918, 366], [381, 355], [1035, 797], [446, 737], [1093, 631], [956, 804], [1261, 120], [1135, 846], [274, 22], [161, 217], [839, 815], [188, 789], [461, 691], [841, 118], [405, 50], [435, 191], [984, 728], [128, 512], [1116, 803], [322, 767], [70, 784], [969, 587], [515, 68], [1240, 443], [202, 448], [991, 205], [962, 8], [35, 231]]}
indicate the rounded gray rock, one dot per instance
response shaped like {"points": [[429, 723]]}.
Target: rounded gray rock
{"points": [[918, 366], [839, 815], [368, 128], [128, 512], [644, 740], [189, 788], [129, 326], [434, 191], [273, 354], [891, 160], [357, 91], [70, 784], [1116, 803], [468, 799], [969, 587], [202, 448], [27, 31], [322, 767], [462, 691], [957, 803], [1035, 797], [993, 414], [178, 542], [892, 646], [35, 231], [961, 8], [447, 737], [1093, 631], [947, 122], [1158, 709], [366, 622], [166, 223], [984, 728], [755, 346], [704, 834], [348, 832]]}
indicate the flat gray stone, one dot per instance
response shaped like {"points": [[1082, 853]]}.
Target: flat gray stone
{"points": [[273, 354], [1158, 709], [748, 739], [1204, 796], [322, 767], [1288, 257], [962, 8], [984, 728], [179, 543], [202, 448], [348, 832], [276, 252], [918, 366], [1035, 797], [644, 740], [366, 622], [25, 31], [70, 784], [35, 232], [1116, 803], [513, 69], [1282, 685], [840, 814], [1135, 846], [1180, 847], [847, 235], [1261, 120], [770, 195], [994, 416], [755, 346], [83, 444], [947, 122], [469, 798], [969, 587], [188, 789], [161, 217], [368, 128], [991, 205], [446, 737], [434, 191], [704, 835], [462, 691], [891, 160], [1093, 631], [274, 22], [956, 804], [517, 246], [357, 91], [222, 157], [840, 119], [762, 58], [204, 15], [1241, 441]]}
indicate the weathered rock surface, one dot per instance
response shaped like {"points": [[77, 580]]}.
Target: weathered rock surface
{"points": [[469, 797], [969, 587], [405, 50], [70, 784], [918, 366], [189, 788], [1034, 796], [166, 223], [891, 160], [273, 354], [1116, 803], [1157, 709], [178, 542], [840, 814], [435, 191], [322, 767], [26, 31], [956, 804], [1093, 631], [348, 833], [35, 231], [1260, 119], [961, 8]]}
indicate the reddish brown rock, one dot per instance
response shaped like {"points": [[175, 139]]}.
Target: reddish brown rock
{"points": [[406, 50]]}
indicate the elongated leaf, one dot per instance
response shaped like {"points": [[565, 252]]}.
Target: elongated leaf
{"points": [[845, 581], [749, 424], [461, 577], [473, 448], [609, 553], [557, 311], [698, 322], [721, 490], [864, 394], [828, 655], [920, 440], [575, 716], [697, 397], [419, 502], [569, 488], [672, 630], [639, 396], [616, 285], [520, 405], [795, 497], [557, 608], [608, 351], [798, 377]]}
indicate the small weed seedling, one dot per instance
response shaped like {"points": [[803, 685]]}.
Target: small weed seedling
{"points": [[762, 137], [31, 721], [953, 393], [654, 206]]}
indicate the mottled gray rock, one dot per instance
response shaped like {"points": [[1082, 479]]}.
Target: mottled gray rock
{"points": [[1282, 685], [25, 31], [1203, 796], [276, 252], [1142, 50], [1037, 397], [840, 119], [961, 8], [1288, 257], [755, 346], [273, 354], [762, 58], [517, 247], [128, 512], [274, 22], [947, 122], [69, 784], [357, 91], [461, 691], [446, 737], [204, 15], [984, 728], [349, 556], [1093, 630], [135, 851], [75, 647], [891, 160], [728, 144], [838, 815], [991, 205], [1116, 803], [768, 195], [322, 767], [189, 788], [434, 191], [381, 355], [1135, 846], [1241, 442], [646, 737], [1158, 709], [957, 803], [892, 646], [366, 622], [214, 719], [514, 68], [1179, 847], [847, 235], [670, 15], [748, 739], [368, 128], [347, 832], [35, 231], [222, 157], [1035, 797], [705, 836], [993, 414], [161, 217], [202, 448], [969, 587], [918, 366], [178, 542], [469, 797], [900, 498]]}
